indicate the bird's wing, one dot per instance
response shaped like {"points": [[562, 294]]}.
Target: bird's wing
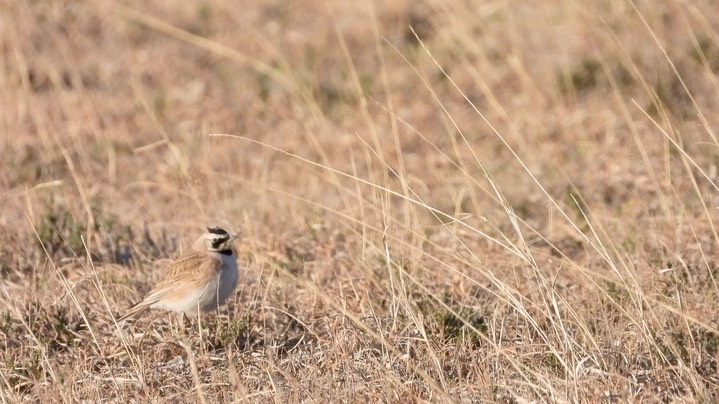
{"points": [[186, 272], [181, 276]]}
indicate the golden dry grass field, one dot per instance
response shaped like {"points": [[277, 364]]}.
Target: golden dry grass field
{"points": [[439, 201]]}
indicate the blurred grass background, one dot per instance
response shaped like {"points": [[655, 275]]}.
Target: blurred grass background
{"points": [[454, 201]]}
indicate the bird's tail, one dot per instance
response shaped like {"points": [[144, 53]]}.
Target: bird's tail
{"points": [[134, 310]]}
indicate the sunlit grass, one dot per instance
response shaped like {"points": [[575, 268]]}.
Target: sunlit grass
{"points": [[460, 201]]}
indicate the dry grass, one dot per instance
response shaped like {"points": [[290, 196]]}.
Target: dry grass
{"points": [[445, 201]]}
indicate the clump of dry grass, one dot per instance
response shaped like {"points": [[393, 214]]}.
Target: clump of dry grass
{"points": [[445, 201]]}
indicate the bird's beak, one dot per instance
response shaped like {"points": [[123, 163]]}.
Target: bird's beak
{"points": [[232, 238]]}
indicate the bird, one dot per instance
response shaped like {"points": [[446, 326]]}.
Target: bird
{"points": [[196, 282]]}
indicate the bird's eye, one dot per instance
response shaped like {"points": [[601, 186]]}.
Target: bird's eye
{"points": [[215, 240]]}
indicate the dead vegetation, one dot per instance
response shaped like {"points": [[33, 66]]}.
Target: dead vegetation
{"points": [[440, 202]]}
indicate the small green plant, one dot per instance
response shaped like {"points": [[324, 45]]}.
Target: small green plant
{"points": [[6, 325], [329, 95], [264, 85], [21, 372], [669, 95], [228, 332], [54, 329], [671, 346], [204, 21], [60, 234], [4, 266], [706, 50], [581, 78], [552, 361], [710, 342], [573, 199], [617, 293], [460, 325], [159, 102]]}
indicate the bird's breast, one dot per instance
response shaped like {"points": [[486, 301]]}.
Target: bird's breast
{"points": [[228, 277]]}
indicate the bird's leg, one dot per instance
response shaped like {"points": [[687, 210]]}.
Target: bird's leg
{"points": [[185, 322]]}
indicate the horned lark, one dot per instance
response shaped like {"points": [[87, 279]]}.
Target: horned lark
{"points": [[196, 282]]}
